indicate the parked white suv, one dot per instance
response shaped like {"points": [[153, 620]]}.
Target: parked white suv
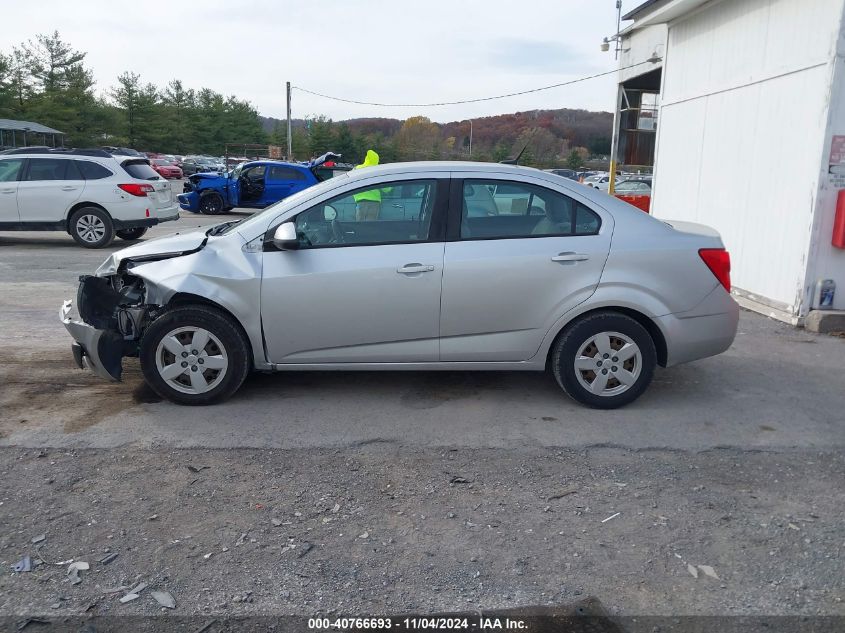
{"points": [[88, 193]]}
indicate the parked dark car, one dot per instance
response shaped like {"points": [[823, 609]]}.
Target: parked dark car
{"points": [[198, 164], [124, 151], [566, 173]]}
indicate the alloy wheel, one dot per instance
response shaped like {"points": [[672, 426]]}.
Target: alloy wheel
{"points": [[191, 360], [90, 228], [608, 364]]}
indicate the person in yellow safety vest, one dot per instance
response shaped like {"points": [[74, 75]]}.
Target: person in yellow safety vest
{"points": [[368, 202]]}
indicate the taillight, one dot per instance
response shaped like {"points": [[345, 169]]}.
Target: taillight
{"points": [[137, 190], [718, 260]]}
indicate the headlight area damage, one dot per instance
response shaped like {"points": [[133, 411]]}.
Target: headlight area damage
{"points": [[136, 286], [113, 313], [115, 306]]}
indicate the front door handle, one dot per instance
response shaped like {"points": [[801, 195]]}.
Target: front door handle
{"points": [[410, 269], [570, 257], [8, 190], [69, 188]]}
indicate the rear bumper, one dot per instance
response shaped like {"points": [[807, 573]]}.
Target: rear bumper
{"points": [[100, 351], [696, 337], [119, 225]]}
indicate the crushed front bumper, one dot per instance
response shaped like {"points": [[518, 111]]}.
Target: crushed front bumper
{"points": [[101, 351], [189, 201]]}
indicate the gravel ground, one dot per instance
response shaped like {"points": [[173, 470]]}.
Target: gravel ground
{"points": [[385, 529]]}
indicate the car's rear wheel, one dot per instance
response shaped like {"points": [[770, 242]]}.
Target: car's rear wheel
{"points": [[131, 234], [194, 355], [604, 360], [91, 227], [211, 204]]}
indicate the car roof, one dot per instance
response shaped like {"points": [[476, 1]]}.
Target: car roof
{"points": [[273, 162], [444, 165]]}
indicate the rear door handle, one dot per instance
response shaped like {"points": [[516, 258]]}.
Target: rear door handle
{"points": [[8, 190], [409, 269], [570, 257], [69, 188]]}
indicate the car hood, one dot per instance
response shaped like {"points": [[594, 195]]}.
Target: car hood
{"points": [[208, 175], [154, 250]]}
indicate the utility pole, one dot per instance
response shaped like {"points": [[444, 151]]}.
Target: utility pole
{"points": [[290, 140], [470, 138], [614, 144]]}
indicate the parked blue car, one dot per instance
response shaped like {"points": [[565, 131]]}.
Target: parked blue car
{"points": [[255, 184]]}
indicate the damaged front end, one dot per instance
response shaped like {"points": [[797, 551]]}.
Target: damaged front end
{"points": [[113, 314]]}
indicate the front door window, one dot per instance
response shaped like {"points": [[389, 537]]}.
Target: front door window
{"points": [[389, 213]]}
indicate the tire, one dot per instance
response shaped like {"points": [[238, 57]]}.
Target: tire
{"points": [[620, 382], [132, 234], [91, 227], [226, 344], [211, 204]]}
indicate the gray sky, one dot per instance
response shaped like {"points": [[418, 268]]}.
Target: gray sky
{"points": [[368, 50]]}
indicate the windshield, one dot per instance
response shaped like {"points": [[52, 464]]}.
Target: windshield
{"points": [[288, 203]]}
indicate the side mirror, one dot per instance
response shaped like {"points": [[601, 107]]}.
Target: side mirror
{"points": [[285, 237], [329, 213]]}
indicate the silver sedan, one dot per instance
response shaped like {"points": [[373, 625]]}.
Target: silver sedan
{"points": [[415, 266]]}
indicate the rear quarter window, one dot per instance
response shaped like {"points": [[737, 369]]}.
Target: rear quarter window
{"points": [[141, 170], [91, 170], [586, 221]]}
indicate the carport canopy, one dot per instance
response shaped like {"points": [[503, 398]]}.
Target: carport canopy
{"points": [[13, 132]]}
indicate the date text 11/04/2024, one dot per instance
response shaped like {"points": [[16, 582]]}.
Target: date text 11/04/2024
{"points": [[417, 623]]}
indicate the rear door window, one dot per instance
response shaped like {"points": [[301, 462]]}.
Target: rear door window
{"points": [[140, 169], [41, 169], [284, 173], [91, 170], [519, 210]]}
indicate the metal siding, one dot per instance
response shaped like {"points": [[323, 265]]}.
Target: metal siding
{"points": [[739, 145]]}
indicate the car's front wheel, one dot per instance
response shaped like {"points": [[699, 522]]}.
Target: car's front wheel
{"points": [[211, 204], [91, 227], [132, 234], [604, 360], [195, 355]]}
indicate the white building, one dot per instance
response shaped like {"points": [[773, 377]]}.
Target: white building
{"points": [[750, 134]]}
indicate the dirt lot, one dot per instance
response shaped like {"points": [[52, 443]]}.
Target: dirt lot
{"points": [[382, 528], [718, 492]]}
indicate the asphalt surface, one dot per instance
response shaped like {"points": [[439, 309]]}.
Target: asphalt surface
{"points": [[777, 387]]}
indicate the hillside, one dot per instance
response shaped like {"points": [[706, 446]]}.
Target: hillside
{"points": [[551, 136]]}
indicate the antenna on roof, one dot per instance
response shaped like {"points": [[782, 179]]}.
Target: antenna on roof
{"points": [[515, 161]]}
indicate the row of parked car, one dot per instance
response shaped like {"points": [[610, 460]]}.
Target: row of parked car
{"points": [[634, 189], [85, 192], [173, 166]]}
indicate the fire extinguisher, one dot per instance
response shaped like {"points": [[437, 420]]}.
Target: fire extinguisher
{"points": [[838, 238]]}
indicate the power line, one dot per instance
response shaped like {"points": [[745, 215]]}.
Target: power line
{"points": [[480, 99]]}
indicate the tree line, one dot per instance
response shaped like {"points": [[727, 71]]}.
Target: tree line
{"points": [[45, 80]]}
